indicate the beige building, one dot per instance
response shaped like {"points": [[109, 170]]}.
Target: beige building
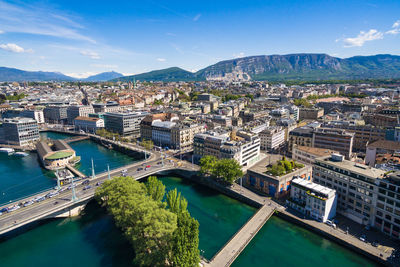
{"points": [[309, 154], [310, 113], [301, 136], [56, 154]]}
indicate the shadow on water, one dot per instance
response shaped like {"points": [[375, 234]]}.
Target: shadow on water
{"points": [[99, 230]]}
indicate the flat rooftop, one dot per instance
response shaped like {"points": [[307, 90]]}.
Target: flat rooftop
{"points": [[313, 186], [353, 167]]}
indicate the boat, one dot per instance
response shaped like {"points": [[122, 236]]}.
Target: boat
{"points": [[7, 150], [21, 154]]}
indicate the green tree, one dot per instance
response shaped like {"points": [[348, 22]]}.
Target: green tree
{"points": [[155, 188], [185, 241], [148, 144], [175, 202], [207, 164], [228, 170]]}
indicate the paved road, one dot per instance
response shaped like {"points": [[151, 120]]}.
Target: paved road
{"points": [[38, 210]]}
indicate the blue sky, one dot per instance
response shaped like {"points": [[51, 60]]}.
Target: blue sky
{"points": [[81, 38]]}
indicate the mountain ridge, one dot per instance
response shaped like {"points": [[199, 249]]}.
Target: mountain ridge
{"points": [[300, 66]]}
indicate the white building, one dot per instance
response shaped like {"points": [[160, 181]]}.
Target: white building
{"points": [[314, 200], [37, 115], [161, 132], [88, 124], [20, 131], [272, 138]]}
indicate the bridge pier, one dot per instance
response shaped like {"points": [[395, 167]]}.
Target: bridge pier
{"points": [[72, 212]]}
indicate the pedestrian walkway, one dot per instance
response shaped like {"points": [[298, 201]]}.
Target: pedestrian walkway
{"points": [[239, 241]]}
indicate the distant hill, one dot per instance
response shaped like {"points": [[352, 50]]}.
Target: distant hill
{"points": [[105, 76], [16, 75], [302, 67], [173, 74], [285, 67]]}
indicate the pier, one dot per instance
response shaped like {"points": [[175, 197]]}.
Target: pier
{"points": [[75, 171], [76, 138], [231, 250]]}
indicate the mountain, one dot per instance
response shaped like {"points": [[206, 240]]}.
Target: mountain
{"points": [[173, 74], [305, 67], [285, 67], [105, 76], [16, 75]]}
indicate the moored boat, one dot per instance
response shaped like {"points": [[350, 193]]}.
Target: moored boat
{"points": [[21, 154], [7, 150]]}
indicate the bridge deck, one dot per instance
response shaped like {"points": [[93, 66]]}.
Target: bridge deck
{"points": [[239, 241]]}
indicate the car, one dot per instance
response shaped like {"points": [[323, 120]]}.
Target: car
{"points": [[159, 163], [28, 203], [98, 183], [40, 199], [10, 209], [330, 223], [124, 170], [55, 203], [139, 169], [148, 166], [4, 210], [85, 182], [87, 187], [375, 244], [362, 238]]}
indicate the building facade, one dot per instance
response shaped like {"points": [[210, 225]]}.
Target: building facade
{"points": [[78, 111], [20, 131], [124, 123], [88, 124], [301, 136], [272, 138], [334, 139], [314, 200], [55, 114]]}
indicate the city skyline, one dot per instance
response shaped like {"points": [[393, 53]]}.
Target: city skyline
{"points": [[136, 37]]}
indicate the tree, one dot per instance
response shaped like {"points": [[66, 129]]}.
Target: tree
{"points": [[148, 144], [155, 188], [228, 170], [185, 241], [175, 202], [207, 164]]}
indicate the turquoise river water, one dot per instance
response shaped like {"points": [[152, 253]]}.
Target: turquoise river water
{"points": [[92, 239]]}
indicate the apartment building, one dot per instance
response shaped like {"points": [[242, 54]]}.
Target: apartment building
{"points": [[20, 131], [272, 138], [334, 139], [37, 115], [364, 134], [301, 136], [380, 148], [124, 123], [88, 124], [310, 113], [355, 184], [387, 217], [106, 107], [182, 134], [309, 154], [146, 123], [241, 146], [55, 114], [314, 200], [78, 111]]}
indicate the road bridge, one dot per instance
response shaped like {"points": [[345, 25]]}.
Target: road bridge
{"points": [[64, 204]]}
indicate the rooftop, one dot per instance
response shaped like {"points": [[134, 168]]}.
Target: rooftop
{"points": [[80, 118], [60, 155], [319, 152], [354, 167], [385, 144], [313, 186]]}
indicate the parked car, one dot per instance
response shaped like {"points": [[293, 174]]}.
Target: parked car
{"points": [[330, 223], [363, 238]]}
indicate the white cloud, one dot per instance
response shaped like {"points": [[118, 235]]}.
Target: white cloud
{"points": [[1, 31], [363, 37], [91, 54], [104, 66], [40, 20], [161, 59], [395, 28], [82, 75], [14, 48], [197, 17], [241, 54]]}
